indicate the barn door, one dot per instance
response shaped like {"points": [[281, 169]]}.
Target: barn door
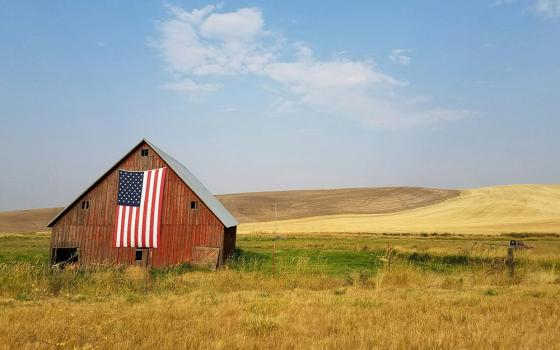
{"points": [[142, 257]]}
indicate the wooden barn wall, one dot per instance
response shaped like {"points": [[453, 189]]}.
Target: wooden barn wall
{"points": [[182, 228]]}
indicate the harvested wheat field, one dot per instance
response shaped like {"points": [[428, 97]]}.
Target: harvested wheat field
{"points": [[259, 206], [488, 210], [30, 220]]}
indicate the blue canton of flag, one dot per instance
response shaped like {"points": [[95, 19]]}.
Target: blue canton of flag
{"points": [[130, 188]]}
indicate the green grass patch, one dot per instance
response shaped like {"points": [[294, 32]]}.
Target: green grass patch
{"points": [[25, 247]]}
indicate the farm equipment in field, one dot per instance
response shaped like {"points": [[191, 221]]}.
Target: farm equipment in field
{"points": [[515, 244]]}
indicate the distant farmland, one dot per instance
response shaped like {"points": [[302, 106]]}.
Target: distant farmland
{"points": [[32, 220], [259, 206], [489, 210]]}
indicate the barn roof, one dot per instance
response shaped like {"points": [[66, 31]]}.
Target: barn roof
{"points": [[184, 174]]}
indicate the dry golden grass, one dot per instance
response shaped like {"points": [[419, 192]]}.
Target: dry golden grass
{"points": [[515, 208], [404, 308]]}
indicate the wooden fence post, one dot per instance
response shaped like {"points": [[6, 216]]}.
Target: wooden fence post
{"points": [[510, 262]]}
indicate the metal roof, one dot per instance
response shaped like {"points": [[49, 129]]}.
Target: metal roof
{"points": [[184, 174]]}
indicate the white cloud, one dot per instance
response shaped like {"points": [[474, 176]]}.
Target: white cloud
{"points": [[401, 56], [202, 46], [548, 8], [242, 25], [201, 42]]}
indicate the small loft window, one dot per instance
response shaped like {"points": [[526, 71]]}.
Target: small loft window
{"points": [[194, 205], [144, 152], [85, 204]]}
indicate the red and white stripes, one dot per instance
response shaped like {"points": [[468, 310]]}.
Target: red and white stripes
{"points": [[140, 226]]}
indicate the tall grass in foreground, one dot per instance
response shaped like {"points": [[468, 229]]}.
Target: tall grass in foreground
{"points": [[242, 307], [481, 267], [435, 300]]}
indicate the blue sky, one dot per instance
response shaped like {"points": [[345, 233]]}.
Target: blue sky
{"points": [[277, 95]]}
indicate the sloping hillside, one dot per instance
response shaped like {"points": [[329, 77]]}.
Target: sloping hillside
{"points": [[259, 206], [515, 208], [31, 220]]}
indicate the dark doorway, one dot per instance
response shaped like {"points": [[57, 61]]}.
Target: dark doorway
{"points": [[63, 256], [142, 257]]}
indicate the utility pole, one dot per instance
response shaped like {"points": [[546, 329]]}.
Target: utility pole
{"points": [[275, 220]]}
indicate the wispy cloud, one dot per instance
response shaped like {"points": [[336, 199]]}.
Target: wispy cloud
{"points": [[544, 8], [202, 46], [548, 8], [401, 56]]}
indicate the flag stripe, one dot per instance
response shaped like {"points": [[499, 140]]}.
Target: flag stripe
{"points": [[142, 211], [157, 215], [153, 208], [121, 228], [119, 221], [149, 208], [133, 226], [125, 224]]}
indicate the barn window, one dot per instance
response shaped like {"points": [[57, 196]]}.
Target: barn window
{"points": [[141, 257], [63, 256], [85, 204], [194, 205], [144, 152]]}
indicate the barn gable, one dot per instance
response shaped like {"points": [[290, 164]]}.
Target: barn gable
{"points": [[182, 172], [194, 225]]}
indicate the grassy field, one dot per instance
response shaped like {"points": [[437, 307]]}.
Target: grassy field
{"points": [[329, 291], [320, 282], [501, 209]]}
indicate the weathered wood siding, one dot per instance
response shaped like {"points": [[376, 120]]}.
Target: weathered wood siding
{"points": [[182, 228]]}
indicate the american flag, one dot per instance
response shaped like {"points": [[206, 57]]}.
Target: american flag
{"points": [[139, 208]]}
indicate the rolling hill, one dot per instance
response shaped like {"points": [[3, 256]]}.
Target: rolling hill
{"points": [[31, 220], [501, 209], [514, 208], [259, 206]]}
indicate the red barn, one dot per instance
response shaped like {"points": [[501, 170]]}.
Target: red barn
{"points": [[193, 225]]}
